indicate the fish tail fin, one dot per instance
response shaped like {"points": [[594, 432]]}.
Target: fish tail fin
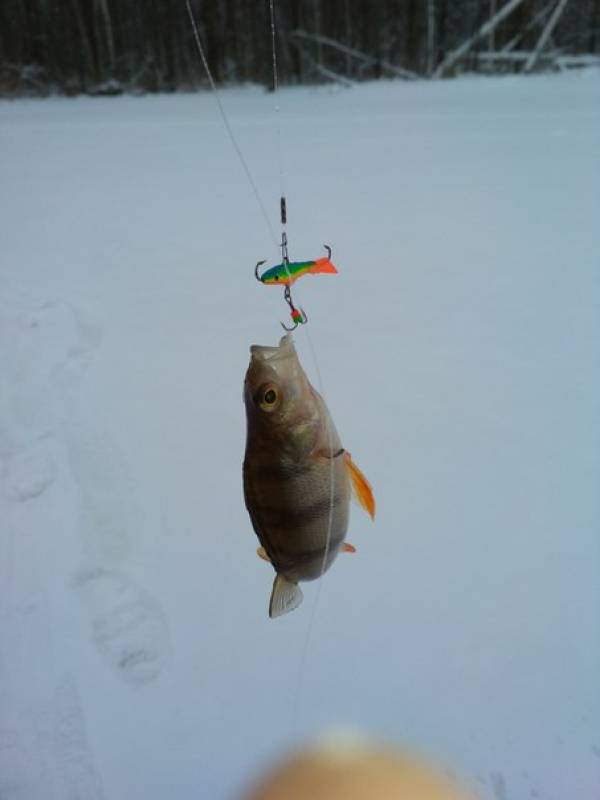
{"points": [[286, 596], [360, 486], [323, 265]]}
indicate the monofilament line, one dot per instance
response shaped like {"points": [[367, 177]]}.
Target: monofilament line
{"points": [[275, 91], [215, 91], [313, 613], [314, 355], [274, 45], [234, 142]]}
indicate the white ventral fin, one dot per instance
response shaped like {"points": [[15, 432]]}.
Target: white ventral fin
{"points": [[286, 596]]}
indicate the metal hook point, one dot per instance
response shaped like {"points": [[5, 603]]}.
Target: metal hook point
{"points": [[259, 264], [326, 246], [299, 317]]}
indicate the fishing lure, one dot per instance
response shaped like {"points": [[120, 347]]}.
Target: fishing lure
{"points": [[288, 272]]}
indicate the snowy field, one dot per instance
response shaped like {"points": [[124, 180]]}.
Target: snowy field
{"points": [[459, 354]]}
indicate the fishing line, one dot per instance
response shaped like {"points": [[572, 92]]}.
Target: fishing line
{"points": [[277, 108], [313, 614], [234, 141], [283, 209]]}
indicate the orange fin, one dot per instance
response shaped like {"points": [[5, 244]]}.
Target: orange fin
{"points": [[360, 486], [262, 553], [347, 548]]}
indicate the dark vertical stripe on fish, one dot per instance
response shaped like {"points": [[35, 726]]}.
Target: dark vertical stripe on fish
{"points": [[288, 517]]}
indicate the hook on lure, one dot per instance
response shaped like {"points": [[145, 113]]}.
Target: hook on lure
{"points": [[298, 315], [287, 273]]}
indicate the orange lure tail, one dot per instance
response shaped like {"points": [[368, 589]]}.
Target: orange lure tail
{"points": [[323, 265]]}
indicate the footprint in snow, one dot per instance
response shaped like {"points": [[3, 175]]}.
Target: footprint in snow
{"points": [[18, 779], [63, 740], [45, 352], [107, 512], [25, 474], [48, 756], [129, 630]]}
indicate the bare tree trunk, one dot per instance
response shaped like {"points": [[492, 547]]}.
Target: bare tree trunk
{"points": [[550, 25], [348, 36], [317, 12], [492, 38], [412, 54], [593, 26], [430, 37], [108, 32], [442, 26], [86, 44], [485, 29]]}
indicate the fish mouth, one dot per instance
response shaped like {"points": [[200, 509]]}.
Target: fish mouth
{"points": [[265, 353]]}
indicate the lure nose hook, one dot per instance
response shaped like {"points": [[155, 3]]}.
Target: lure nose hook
{"points": [[259, 264]]}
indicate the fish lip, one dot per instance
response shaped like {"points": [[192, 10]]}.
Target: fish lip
{"points": [[267, 353]]}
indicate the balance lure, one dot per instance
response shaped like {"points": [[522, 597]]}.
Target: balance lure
{"points": [[287, 274]]}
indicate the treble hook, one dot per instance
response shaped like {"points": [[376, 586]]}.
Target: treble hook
{"points": [[298, 315]]}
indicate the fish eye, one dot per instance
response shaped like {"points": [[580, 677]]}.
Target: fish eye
{"points": [[268, 397]]}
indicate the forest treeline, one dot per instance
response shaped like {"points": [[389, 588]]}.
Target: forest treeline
{"points": [[109, 46]]}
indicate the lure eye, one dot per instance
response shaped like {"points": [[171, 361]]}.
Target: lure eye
{"points": [[269, 397]]}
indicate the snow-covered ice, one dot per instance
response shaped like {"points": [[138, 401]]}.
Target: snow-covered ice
{"points": [[458, 350]]}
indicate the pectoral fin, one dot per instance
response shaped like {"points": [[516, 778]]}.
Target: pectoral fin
{"points": [[286, 596], [262, 553], [361, 487], [347, 548]]}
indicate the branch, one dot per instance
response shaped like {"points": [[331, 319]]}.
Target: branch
{"points": [[326, 73], [485, 29], [556, 14], [350, 51], [500, 55], [531, 24], [579, 60], [333, 76]]}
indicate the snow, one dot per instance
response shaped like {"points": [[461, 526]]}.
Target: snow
{"points": [[458, 350]]}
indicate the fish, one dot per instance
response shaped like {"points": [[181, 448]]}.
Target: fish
{"points": [[298, 478], [288, 274]]}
